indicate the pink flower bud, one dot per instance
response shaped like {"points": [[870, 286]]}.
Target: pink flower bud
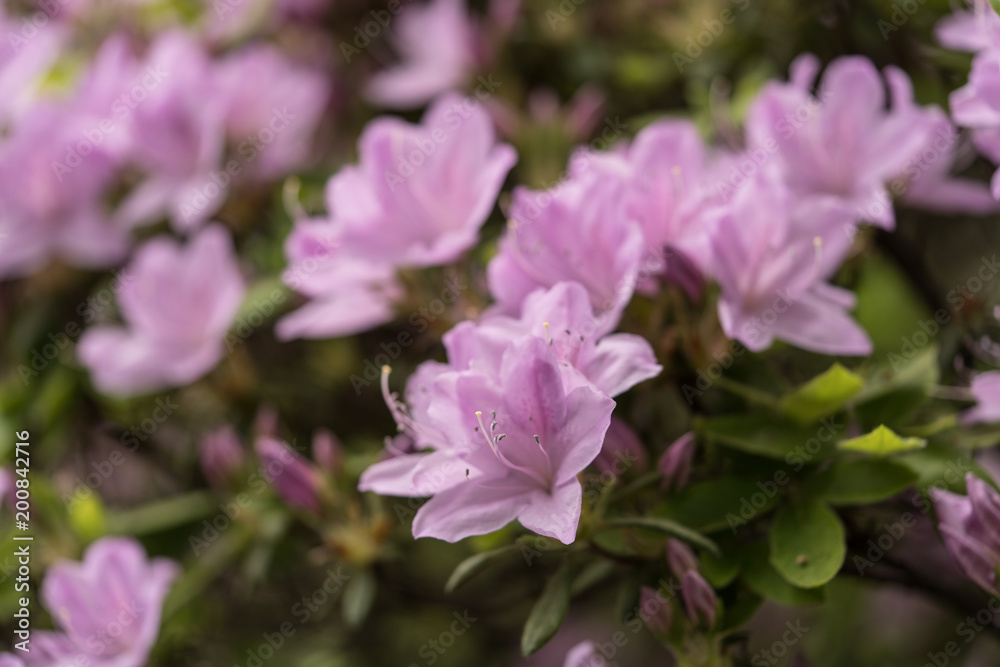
{"points": [[680, 558], [221, 455], [327, 450], [655, 610], [295, 480], [699, 599], [621, 451], [675, 464]]}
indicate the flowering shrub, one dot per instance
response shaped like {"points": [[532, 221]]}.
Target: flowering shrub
{"points": [[434, 332]]}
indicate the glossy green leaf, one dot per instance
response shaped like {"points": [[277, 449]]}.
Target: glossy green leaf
{"points": [[665, 526], [725, 503], [761, 578], [720, 571], [860, 482], [823, 395], [882, 442], [764, 435], [549, 611], [807, 544]]}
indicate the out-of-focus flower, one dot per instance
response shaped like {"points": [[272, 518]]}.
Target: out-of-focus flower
{"points": [[667, 196], [296, 481], [221, 455], [178, 126], [970, 528], [680, 557], [347, 294], [700, 600], [622, 450], [561, 316], [986, 390], [177, 307], [675, 463], [655, 610], [925, 181], [25, 62], [842, 144], [421, 192], [107, 607], [272, 107], [9, 660], [584, 654], [437, 43], [977, 105], [577, 231], [327, 450], [772, 272], [970, 30], [507, 449]]}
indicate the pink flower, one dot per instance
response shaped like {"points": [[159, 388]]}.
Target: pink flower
{"points": [[437, 42], [347, 294], [970, 529], [177, 308], [841, 145], [622, 450], [505, 449], [178, 124], [89, 600], [584, 654], [561, 316], [675, 463], [577, 231], [973, 31], [986, 389], [420, 193], [772, 269], [272, 107], [221, 455], [977, 105]]}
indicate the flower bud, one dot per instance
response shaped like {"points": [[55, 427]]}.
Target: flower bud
{"points": [[295, 480], [621, 451], [221, 456], [699, 599], [680, 558], [327, 450], [655, 610], [675, 464]]}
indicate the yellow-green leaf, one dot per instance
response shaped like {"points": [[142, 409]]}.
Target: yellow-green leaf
{"points": [[882, 442]]}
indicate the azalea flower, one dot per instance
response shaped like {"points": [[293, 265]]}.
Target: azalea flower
{"points": [[986, 390], [970, 528], [177, 309]]}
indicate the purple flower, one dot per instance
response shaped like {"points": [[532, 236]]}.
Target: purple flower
{"points": [[10, 660], [562, 316], [977, 105], [505, 449], [347, 294], [680, 558], [272, 107], [221, 455], [841, 144], [675, 463], [973, 31], [177, 119], [437, 42], [970, 528], [772, 269], [420, 193], [107, 607], [577, 231], [986, 390], [296, 481], [177, 305], [327, 450]]}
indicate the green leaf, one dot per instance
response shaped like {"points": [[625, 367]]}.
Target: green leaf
{"points": [[761, 578], [359, 595], [718, 504], [666, 526], [807, 544], [763, 435], [862, 481], [549, 611], [473, 565], [720, 571], [823, 395], [882, 442]]}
